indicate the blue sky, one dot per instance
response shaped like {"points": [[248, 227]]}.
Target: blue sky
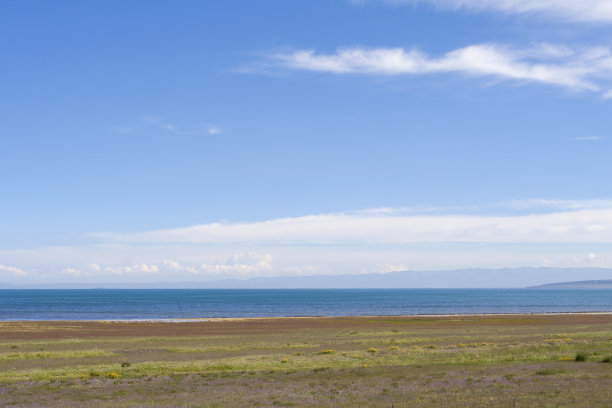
{"points": [[154, 141]]}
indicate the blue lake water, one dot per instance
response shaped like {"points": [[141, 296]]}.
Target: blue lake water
{"points": [[110, 304]]}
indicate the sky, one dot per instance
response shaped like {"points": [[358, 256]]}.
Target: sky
{"points": [[157, 141]]}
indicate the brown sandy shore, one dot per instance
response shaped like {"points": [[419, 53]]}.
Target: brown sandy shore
{"points": [[60, 329]]}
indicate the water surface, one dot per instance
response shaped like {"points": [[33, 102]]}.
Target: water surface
{"points": [[114, 304]]}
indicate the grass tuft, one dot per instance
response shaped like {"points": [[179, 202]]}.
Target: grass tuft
{"points": [[580, 357]]}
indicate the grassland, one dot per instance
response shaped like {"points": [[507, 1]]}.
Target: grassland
{"points": [[466, 361]]}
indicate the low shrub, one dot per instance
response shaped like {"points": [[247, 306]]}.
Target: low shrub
{"points": [[126, 364], [607, 359], [580, 357], [330, 351]]}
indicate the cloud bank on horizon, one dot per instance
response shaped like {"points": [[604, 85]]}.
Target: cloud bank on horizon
{"points": [[565, 234], [372, 227]]}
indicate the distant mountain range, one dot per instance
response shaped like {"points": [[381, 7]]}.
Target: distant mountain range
{"points": [[587, 284], [460, 278]]}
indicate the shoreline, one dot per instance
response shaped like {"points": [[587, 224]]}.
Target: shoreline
{"points": [[89, 329], [259, 318]]}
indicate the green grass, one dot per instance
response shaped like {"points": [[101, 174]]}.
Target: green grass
{"points": [[497, 366], [55, 354], [580, 357]]}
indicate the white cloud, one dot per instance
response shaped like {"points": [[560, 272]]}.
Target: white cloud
{"points": [[587, 225], [393, 268], [593, 260], [13, 270], [579, 70], [133, 269], [239, 264], [173, 265], [98, 271], [75, 272], [249, 263], [559, 233], [192, 262], [597, 11], [176, 267]]}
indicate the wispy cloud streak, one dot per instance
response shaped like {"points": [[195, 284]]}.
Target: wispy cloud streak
{"points": [[594, 11], [579, 70]]}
